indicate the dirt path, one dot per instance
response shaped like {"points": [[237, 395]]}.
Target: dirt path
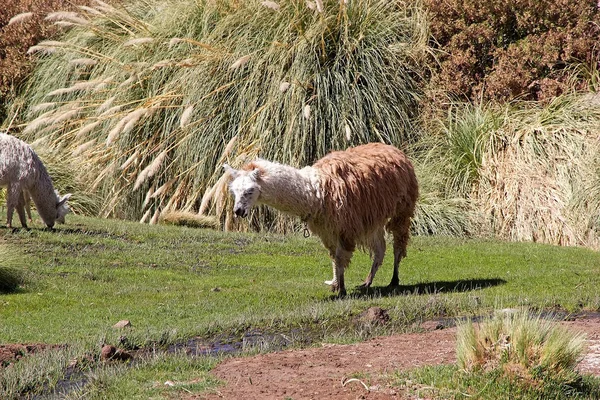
{"points": [[319, 373]]}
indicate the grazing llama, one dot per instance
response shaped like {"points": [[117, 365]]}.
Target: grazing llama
{"points": [[24, 175], [347, 198]]}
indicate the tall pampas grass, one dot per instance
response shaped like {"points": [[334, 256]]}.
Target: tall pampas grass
{"points": [[222, 81]]}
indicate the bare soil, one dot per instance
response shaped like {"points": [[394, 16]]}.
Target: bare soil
{"points": [[357, 371]]}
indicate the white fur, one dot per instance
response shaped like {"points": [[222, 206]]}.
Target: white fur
{"points": [[24, 176], [291, 190]]}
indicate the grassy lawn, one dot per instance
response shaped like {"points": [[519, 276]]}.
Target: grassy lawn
{"points": [[175, 283]]}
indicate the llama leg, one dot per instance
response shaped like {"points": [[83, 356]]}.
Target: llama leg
{"points": [[342, 260], [14, 199], [331, 247], [21, 212], [27, 202], [401, 233], [378, 251]]}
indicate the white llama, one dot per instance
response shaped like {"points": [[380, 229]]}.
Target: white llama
{"points": [[23, 174], [348, 198]]}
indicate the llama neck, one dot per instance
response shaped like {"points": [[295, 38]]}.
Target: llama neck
{"points": [[291, 190], [43, 195]]}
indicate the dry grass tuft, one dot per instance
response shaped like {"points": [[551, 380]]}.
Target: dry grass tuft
{"points": [[525, 347], [193, 220]]}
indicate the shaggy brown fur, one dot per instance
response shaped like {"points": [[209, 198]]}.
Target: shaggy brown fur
{"points": [[364, 189], [346, 198]]}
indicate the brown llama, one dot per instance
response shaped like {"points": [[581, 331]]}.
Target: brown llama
{"points": [[346, 198]]}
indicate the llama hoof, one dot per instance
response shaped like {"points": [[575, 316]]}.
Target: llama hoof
{"points": [[393, 284]]}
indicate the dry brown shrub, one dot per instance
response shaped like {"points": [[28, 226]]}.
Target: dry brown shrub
{"points": [[16, 38], [500, 50], [539, 185]]}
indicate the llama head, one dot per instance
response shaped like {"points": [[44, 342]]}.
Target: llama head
{"points": [[62, 208], [245, 187]]}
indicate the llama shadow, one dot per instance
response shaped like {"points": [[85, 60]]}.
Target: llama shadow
{"points": [[461, 285]]}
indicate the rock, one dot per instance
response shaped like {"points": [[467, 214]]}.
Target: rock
{"points": [[375, 316], [111, 353], [107, 352], [124, 323]]}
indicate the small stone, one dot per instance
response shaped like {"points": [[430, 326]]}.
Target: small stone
{"points": [[111, 353], [124, 323], [215, 289], [108, 352], [376, 316]]}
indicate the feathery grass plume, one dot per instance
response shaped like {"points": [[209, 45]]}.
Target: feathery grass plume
{"points": [[361, 66], [61, 15], [133, 117], [271, 4], [87, 129], [148, 195], [84, 61], [193, 220], [320, 6], [84, 147], [114, 133], [42, 107], [526, 347], [39, 121], [229, 147], [150, 170], [45, 47], [20, 18], [105, 105], [67, 115], [164, 188], [130, 161], [145, 217], [240, 62], [306, 111], [174, 41], [186, 115], [91, 10], [138, 41], [155, 218], [112, 110], [284, 86]]}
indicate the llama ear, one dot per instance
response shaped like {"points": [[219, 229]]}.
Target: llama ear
{"points": [[255, 174], [230, 171], [64, 199]]}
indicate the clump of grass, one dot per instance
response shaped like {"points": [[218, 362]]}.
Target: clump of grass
{"points": [[189, 219], [11, 276], [173, 83], [524, 347], [10, 279], [524, 171]]}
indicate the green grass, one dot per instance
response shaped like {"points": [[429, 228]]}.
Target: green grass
{"points": [[92, 273], [89, 274], [449, 382], [156, 377]]}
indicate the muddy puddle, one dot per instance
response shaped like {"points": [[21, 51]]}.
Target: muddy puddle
{"points": [[253, 341]]}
